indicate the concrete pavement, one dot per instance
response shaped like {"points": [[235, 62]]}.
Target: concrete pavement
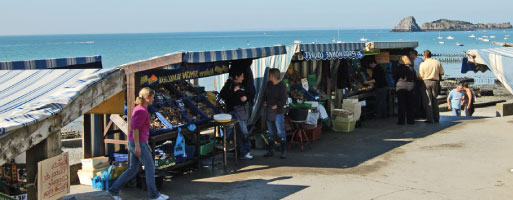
{"points": [[459, 158]]}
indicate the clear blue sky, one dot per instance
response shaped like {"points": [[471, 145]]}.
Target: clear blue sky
{"points": [[21, 17]]}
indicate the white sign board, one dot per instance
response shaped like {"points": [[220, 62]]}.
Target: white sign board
{"points": [[53, 178]]}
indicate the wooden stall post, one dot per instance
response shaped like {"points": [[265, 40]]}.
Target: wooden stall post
{"points": [[86, 136], [48, 148]]}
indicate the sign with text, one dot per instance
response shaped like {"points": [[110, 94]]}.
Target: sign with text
{"points": [[328, 55], [53, 178], [184, 73]]}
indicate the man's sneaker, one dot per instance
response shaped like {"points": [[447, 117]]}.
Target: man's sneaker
{"points": [[248, 156], [161, 197], [115, 197]]}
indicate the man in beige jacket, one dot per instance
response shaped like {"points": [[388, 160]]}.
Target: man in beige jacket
{"points": [[431, 72]]}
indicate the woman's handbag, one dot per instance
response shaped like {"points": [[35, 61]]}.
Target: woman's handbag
{"points": [[402, 84]]}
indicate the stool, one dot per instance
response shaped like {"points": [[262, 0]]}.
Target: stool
{"points": [[218, 126], [299, 133]]}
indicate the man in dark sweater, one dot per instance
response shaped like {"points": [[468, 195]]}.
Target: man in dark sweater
{"points": [[235, 97], [275, 97]]}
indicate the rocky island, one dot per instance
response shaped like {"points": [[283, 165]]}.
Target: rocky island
{"points": [[409, 24]]}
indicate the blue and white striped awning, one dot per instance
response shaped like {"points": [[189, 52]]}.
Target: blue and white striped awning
{"points": [[53, 63], [29, 96], [236, 54], [332, 51]]}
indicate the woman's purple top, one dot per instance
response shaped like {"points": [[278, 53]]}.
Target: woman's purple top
{"points": [[140, 120]]}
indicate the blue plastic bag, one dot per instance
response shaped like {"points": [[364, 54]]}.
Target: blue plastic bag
{"points": [[180, 144]]}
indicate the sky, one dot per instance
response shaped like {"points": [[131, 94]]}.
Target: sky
{"points": [[35, 17]]}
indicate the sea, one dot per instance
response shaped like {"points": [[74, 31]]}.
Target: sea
{"points": [[118, 49]]}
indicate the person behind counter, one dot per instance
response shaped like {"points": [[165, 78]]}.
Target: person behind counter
{"points": [[235, 97], [405, 82], [275, 97], [380, 83], [140, 152]]}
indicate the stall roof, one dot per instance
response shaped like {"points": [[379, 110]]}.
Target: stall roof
{"points": [[54, 63], [37, 102], [331, 51], [392, 45], [499, 61], [236, 54]]}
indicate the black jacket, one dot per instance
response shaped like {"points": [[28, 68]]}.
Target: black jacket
{"points": [[230, 97], [275, 95], [407, 72]]}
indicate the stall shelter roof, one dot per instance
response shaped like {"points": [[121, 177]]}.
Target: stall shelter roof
{"points": [[54, 63], [392, 45], [331, 51], [29, 96], [499, 61], [236, 54]]}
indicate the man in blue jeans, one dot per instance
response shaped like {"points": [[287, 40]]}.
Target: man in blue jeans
{"points": [[275, 97], [455, 98]]}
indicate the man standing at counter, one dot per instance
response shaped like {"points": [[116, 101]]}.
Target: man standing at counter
{"points": [[275, 97], [431, 71]]}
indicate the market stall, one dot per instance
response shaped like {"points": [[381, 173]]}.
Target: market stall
{"points": [[182, 108], [39, 97], [498, 60]]}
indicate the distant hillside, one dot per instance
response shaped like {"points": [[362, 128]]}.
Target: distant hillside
{"points": [[409, 24], [456, 25]]}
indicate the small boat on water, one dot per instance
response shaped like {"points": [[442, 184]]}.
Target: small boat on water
{"points": [[441, 42], [472, 36], [439, 37], [493, 36], [505, 38], [459, 44], [486, 40], [449, 37], [363, 39]]}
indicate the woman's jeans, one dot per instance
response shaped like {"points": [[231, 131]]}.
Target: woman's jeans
{"points": [[279, 126], [135, 164], [243, 141]]}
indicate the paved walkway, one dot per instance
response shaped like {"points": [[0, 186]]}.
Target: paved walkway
{"points": [[459, 158]]}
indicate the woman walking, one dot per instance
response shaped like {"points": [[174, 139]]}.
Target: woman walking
{"points": [[140, 152], [405, 82]]}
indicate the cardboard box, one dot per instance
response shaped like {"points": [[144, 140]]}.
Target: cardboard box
{"points": [[95, 163]]}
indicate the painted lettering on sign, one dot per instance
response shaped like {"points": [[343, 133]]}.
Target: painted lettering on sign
{"points": [[328, 55], [183, 73], [54, 177]]}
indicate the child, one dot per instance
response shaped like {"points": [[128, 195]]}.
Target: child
{"points": [[275, 97], [455, 98]]}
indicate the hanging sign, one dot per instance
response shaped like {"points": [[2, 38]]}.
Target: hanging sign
{"points": [[53, 177], [184, 73], [328, 55]]}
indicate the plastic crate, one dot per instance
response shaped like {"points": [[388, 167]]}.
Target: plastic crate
{"points": [[207, 148], [342, 125], [120, 156], [314, 133]]}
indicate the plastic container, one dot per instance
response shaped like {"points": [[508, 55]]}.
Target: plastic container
{"points": [[314, 133], [85, 176], [207, 148], [95, 163], [298, 114], [343, 125]]}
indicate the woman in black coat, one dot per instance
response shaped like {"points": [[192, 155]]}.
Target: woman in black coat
{"points": [[405, 81]]}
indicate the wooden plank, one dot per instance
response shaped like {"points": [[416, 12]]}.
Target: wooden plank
{"points": [[120, 122], [22, 139], [114, 141], [87, 136], [153, 63], [113, 105]]}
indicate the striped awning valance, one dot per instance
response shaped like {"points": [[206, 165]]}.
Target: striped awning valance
{"points": [[332, 51], [236, 54], [90, 62]]}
